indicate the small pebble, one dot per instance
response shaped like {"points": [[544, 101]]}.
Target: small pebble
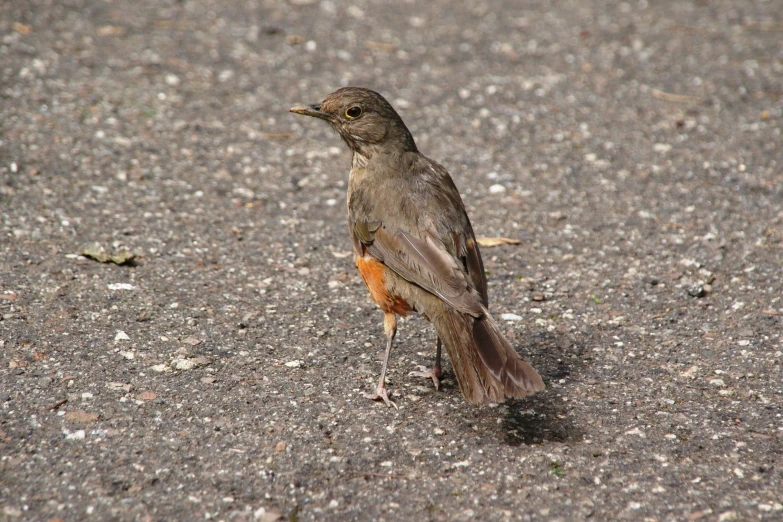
{"points": [[184, 364], [120, 286], [696, 291]]}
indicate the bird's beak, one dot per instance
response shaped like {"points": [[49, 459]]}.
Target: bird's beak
{"points": [[310, 110]]}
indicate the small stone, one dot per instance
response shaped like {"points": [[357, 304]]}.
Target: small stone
{"points": [[184, 364], [262, 515], [281, 446], [76, 435], [121, 336], [12, 512], [119, 386], [511, 317], [438, 431], [147, 396], [497, 189], [295, 363], [120, 286], [208, 380], [200, 361], [696, 515], [81, 417], [696, 291]]}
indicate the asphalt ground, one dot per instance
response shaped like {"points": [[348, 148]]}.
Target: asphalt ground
{"points": [[634, 149]]}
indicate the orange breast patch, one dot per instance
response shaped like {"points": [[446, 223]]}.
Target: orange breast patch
{"points": [[374, 274]]}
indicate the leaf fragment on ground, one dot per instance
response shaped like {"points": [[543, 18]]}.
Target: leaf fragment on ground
{"points": [[97, 253], [496, 241], [81, 416]]}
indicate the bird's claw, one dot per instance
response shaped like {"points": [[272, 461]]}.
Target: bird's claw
{"points": [[381, 393], [428, 374]]}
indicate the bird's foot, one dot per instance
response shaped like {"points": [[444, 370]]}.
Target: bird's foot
{"points": [[427, 373], [381, 393]]}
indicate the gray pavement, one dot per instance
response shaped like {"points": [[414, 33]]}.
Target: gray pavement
{"points": [[633, 148]]}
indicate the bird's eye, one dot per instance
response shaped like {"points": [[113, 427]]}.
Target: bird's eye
{"points": [[353, 112]]}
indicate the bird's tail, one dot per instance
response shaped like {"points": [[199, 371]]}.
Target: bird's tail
{"points": [[488, 369]]}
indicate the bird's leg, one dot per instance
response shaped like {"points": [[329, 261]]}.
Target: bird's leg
{"points": [[434, 373], [436, 369], [390, 327]]}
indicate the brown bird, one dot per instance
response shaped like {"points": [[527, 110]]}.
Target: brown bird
{"points": [[415, 248]]}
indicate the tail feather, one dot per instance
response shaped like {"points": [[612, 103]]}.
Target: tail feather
{"points": [[488, 369]]}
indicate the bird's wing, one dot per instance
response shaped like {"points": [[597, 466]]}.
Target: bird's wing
{"points": [[423, 261], [468, 251]]}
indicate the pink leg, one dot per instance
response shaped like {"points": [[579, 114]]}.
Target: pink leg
{"points": [[390, 326], [434, 373]]}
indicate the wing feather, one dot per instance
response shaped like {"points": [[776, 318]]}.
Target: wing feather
{"points": [[428, 264]]}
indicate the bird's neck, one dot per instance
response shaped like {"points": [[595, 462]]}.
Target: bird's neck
{"points": [[359, 160], [364, 152]]}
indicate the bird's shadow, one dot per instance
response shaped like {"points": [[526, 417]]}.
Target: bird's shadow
{"points": [[545, 416], [537, 420]]}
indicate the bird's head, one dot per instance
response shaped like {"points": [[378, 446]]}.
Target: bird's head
{"points": [[364, 120]]}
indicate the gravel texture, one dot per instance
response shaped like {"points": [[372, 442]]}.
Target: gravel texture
{"points": [[634, 148]]}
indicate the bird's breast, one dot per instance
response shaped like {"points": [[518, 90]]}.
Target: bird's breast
{"points": [[374, 274]]}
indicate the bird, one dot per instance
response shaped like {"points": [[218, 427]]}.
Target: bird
{"points": [[415, 249]]}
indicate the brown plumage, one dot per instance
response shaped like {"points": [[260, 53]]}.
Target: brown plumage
{"points": [[415, 248]]}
